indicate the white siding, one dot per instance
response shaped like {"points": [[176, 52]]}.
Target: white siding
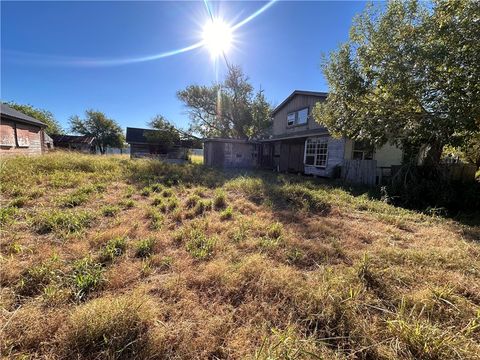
{"points": [[388, 155]]}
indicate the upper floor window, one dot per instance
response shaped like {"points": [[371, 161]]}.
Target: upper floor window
{"points": [[299, 117]]}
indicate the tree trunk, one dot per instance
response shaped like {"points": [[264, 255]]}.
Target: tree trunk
{"points": [[433, 154]]}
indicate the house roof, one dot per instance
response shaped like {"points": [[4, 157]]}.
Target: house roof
{"points": [[16, 115], [226, 140], [137, 135], [298, 92], [72, 139]]}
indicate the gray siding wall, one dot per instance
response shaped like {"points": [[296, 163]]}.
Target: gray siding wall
{"points": [[298, 102]]}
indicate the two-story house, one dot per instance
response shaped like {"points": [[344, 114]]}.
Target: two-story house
{"points": [[297, 144]]}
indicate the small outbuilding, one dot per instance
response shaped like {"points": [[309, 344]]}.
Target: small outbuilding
{"points": [[20, 134], [148, 143], [229, 153], [79, 143]]}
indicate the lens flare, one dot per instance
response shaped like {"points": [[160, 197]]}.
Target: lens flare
{"points": [[217, 37]]}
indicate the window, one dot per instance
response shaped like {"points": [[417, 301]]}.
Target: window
{"points": [[299, 117], [302, 116], [291, 119], [316, 151], [362, 151]]}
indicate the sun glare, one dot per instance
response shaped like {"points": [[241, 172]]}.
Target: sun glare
{"points": [[217, 37]]}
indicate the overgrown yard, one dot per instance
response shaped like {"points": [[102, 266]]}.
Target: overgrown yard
{"points": [[105, 257]]}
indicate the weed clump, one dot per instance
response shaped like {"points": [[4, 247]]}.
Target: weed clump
{"points": [[145, 248], [200, 246], [62, 221], [156, 218], [114, 248], [86, 276], [108, 328], [220, 199], [110, 210], [227, 214]]}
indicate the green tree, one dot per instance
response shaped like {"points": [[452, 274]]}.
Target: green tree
{"points": [[228, 109], [408, 75], [168, 134], [45, 116], [105, 131]]}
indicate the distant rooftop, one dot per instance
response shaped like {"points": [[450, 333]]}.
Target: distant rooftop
{"points": [[13, 114]]}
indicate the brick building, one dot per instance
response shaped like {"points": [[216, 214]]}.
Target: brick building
{"points": [[20, 134]]}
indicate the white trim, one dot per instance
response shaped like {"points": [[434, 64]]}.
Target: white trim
{"points": [[325, 138]]}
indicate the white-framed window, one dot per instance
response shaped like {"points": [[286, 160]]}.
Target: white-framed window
{"points": [[291, 118], [299, 117], [316, 151]]}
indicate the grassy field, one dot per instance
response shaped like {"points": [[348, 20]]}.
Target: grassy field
{"points": [[105, 257]]}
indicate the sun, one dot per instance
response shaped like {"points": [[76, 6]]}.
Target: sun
{"points": [[217, 37]]}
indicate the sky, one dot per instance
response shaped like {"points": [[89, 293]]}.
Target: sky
{"points": [[68, 57]]}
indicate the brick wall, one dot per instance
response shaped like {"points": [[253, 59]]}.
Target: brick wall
{"points": [[28, 139]]}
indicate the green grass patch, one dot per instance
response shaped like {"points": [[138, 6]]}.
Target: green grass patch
{"points": [[67, 221]]}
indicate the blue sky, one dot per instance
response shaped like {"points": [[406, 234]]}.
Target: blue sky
{"points": [[42, 43]]}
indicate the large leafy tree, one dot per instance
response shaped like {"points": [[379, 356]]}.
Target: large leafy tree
{"points": [[408, 75], [228, 109], [105, 131], [168, 135], [45, 116]]}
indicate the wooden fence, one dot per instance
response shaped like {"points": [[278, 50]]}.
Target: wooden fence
{"points": [[362, 172]]}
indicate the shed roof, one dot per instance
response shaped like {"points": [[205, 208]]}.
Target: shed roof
{"points": [[72, 139], [137, 135], [298, 92], [16, 115]]}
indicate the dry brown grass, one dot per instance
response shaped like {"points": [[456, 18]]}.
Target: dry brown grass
{"points": [[298, 270]]}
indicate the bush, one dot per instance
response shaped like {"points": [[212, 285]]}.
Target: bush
{"points": [[62, 221], [86, 277], [145, 248], [108, 328]]}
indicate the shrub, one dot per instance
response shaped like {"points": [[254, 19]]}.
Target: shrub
{"points": [[227, 214], [110, 210], [108, 328], [86, 277], [114, 247], [220, 199], [145, 247], [62, 221]]}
